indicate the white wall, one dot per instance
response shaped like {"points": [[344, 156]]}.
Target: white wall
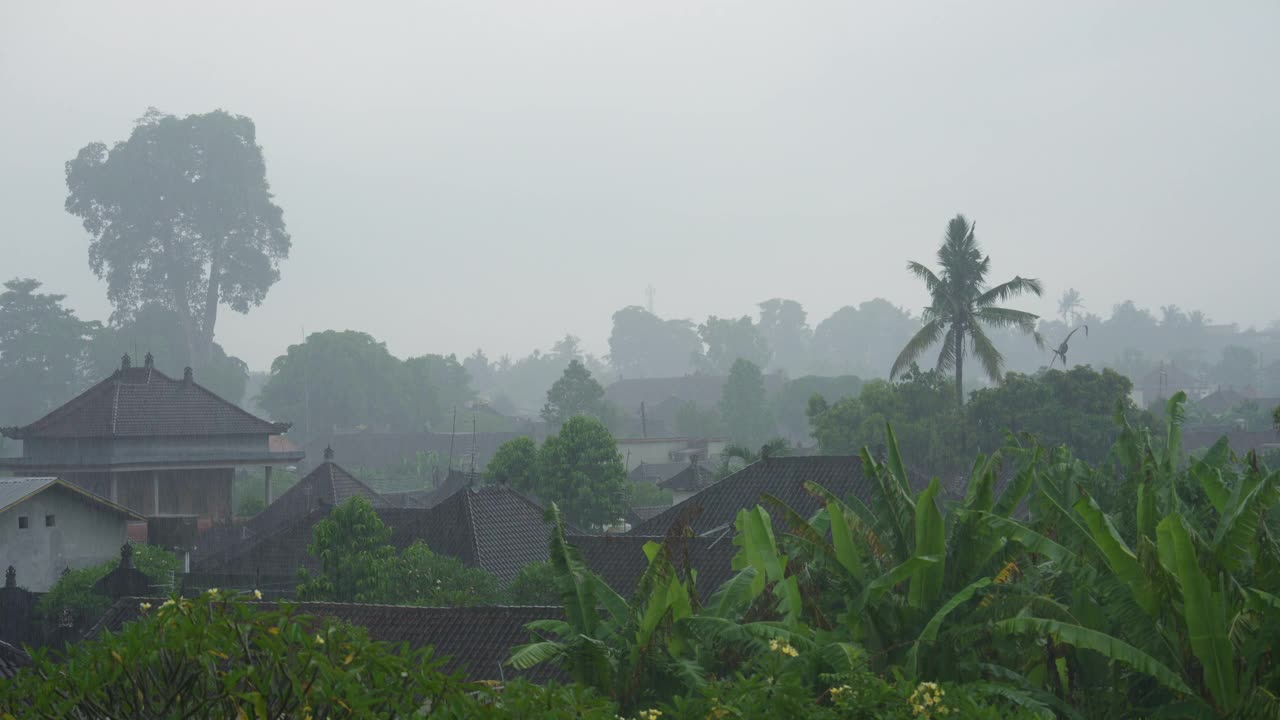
{"points": [[84, 534]]}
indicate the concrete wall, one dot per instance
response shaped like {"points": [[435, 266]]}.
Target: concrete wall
{"points": [[83, 534], [90, 451], [649, 451]]}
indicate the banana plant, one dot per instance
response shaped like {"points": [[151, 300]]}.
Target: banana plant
{"points": [[1182, 601], [628, 651]]}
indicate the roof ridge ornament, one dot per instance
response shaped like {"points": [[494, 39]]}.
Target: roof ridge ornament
{"points": [[328, 453], [126, 362]]}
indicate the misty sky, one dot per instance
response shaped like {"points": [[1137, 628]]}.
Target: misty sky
{"points": [[465, 174]]}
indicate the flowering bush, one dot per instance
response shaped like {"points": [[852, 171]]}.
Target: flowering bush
{"points": [[215, 656]]}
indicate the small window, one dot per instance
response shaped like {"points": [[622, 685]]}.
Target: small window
{"points": [[48, 521], [22, 522]]}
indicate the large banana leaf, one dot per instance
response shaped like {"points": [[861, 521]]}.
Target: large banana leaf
{"points": [[734, 596], [1238, 529], [1122, 560], [862, 522], [1111, 647], [877, 587], [1033, 541], [979, 493], [1018, 488], [758, 548], [1204, 612], [930, 632], [846, 549], [931, 539], [1175, 414]]}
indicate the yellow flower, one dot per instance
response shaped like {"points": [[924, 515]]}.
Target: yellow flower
{"points": [[144, 606], [213, 592], [273, 630], [257, 594], [319, 640]]}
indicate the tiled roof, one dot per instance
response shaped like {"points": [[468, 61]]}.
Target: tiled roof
{"points": [[493, 528], [328, 485], [476, 640], [15, 490], [620, 560], [657, 472], [782, 477], [692, 476], [639, 513], [384, 449], [12, 660], [142, 402]]}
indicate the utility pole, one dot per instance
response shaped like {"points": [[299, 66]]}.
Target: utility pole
{"points": [[649, 292], [644, 425]]}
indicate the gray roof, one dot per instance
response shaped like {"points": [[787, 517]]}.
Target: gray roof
{"points": [[15, 490]]}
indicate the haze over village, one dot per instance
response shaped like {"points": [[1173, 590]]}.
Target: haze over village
{"points": [[667, 360]]}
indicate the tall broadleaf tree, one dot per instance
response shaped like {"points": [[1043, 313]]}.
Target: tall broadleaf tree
{"points": [[181, 213], [42, 351], [962, 304]]}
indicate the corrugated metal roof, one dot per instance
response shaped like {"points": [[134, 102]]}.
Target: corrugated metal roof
{"points": [[15, 490]]}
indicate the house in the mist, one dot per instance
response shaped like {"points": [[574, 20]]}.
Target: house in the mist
{"points": [[48, 525], [668, 451], [1162, 382], [153, 444]]}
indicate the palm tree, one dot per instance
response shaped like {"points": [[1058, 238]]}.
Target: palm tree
{"points": [[961, 304], [1070, 304]]}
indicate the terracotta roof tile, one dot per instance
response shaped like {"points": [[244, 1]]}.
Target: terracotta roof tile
{"points": [[140, 402]]}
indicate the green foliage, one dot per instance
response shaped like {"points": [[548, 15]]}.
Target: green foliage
{"points": [[792, 402], [743, 407], [575, 393], [42, 348], [356, 559], [347, 380], [515, 463], [580, 470], [181, 214], [729, 341], [420, 577], [961, 305], [158, 330], [784, 327], [646, 492], [218, 656], [359, 565], [535, 584], [921, 408], [1073, 408], [74, 590], [644, 345]]}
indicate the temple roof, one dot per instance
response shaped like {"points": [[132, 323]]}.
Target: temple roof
{"points": [[144, 402]]}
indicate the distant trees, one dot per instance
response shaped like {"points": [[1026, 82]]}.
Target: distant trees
{"points": [[346, 380], [960, 305], [1070, 305], [578, 468], [862, 340], [791, 403], [743, 406], [181, 213], [785, 328], [335, 380], [42, 351], [575, 393], [644, 345], [158, 330], [730, 340]]}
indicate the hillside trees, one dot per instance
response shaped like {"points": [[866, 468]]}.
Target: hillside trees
{"points": [[644, 345], [730, 340], [181, 213]]}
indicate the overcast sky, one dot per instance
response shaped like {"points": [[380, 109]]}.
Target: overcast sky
{"points": [[466, 174]]}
